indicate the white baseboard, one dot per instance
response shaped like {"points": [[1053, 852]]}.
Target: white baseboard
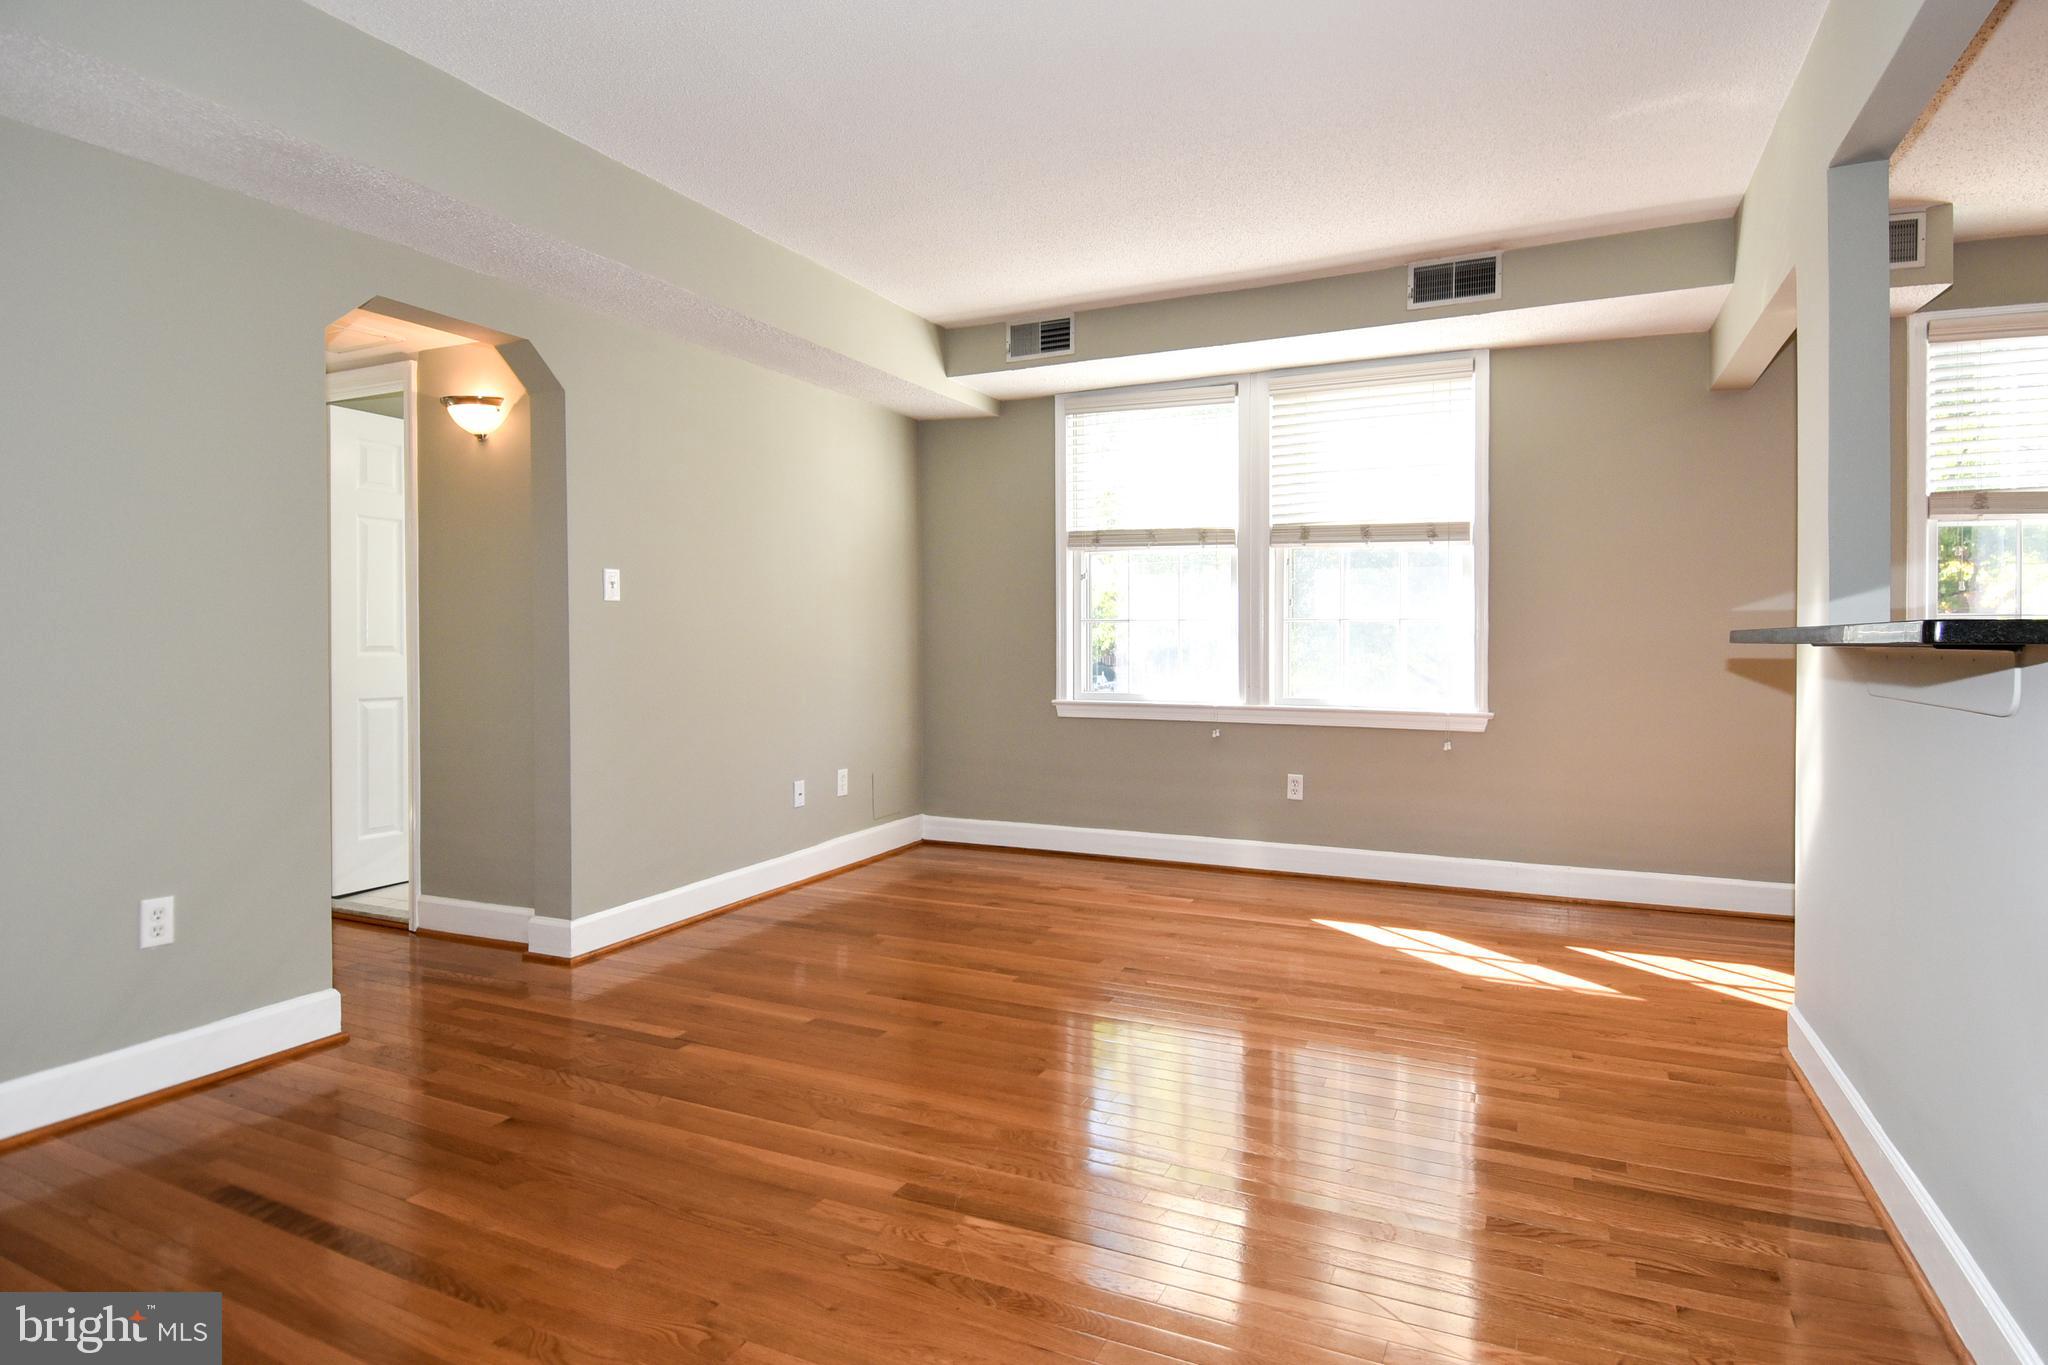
{"points": [[474, 919], [551, 936], [1425, 869], [554, 936], [1980, 1317], [64, 1092]]}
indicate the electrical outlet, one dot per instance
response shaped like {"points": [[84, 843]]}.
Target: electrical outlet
{"points": [[799, 793], [842, 781], [159, 921], [1294, 787]]}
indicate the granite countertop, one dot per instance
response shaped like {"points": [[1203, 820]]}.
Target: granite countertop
{"points": [[1947, 632]]}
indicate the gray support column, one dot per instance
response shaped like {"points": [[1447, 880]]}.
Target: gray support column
{"points": [[1844, 281]]}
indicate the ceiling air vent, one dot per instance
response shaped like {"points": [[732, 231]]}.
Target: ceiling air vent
{"points": [[1909, 240], [1457, 281], [1053, 336]]}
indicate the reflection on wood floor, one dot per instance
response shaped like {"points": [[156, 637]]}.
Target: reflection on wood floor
{"points": [[974, 1106]]}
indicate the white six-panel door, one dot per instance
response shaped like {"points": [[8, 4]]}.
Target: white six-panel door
{"points": [[367, 524]]}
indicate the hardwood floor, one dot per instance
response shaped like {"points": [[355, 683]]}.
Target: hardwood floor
{"points": [[974, 1106]]}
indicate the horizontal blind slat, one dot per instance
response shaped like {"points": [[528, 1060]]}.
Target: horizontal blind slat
{"points": [[1987, 405], [1385, 447], [1167, 461], [2031, 323], [1193, 396], [1990, 501], [1452, 367]]}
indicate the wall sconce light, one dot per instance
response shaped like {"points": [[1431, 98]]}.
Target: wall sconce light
{"points": [[475, 413]]}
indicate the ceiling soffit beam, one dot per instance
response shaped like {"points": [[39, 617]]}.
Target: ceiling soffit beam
{"points": [[1811, 258], [286, 104], [1671, 313], [1652, 282], [1872, 69], [1653, 278]]}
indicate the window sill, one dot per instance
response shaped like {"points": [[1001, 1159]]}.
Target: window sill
{"points": [[1233, 714]]}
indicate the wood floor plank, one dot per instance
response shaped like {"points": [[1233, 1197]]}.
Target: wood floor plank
{"points": [[969, 1105]]}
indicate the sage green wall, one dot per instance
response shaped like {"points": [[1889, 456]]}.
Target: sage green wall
{"points": [[476, 636], [163, 714], [766, 532], [1636, 516], [164, 684]]}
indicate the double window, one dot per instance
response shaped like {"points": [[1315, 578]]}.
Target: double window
{"points": [[1979, 501], [1301, 547]]}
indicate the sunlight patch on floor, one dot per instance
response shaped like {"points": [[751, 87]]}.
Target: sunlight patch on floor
{"points": [[1742, 980], [1468, 958]]}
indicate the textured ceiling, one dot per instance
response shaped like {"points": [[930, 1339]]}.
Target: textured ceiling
{"points": [[1986, 148], [973, 161]]}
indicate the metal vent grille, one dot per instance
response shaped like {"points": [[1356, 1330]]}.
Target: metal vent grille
{"points": [[1432, 283], [1470, 277], [1907, 235], [1051, 336]]}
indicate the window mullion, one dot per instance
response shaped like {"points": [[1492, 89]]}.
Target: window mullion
{"points": [[1254, 540]]}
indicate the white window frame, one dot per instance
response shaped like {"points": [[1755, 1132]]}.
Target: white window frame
{"points": [[1257, 605], [1920, 547]]}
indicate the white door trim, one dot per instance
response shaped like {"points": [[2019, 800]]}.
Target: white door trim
{"points": [[402, 377]]}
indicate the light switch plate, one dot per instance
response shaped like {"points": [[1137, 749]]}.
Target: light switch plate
{"points": [[799, 793], [611, 585]]}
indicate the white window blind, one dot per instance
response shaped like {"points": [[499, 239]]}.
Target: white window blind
{"points": [[1362, 492], [1375, 455], [1987, 414], [1158, 470]]}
